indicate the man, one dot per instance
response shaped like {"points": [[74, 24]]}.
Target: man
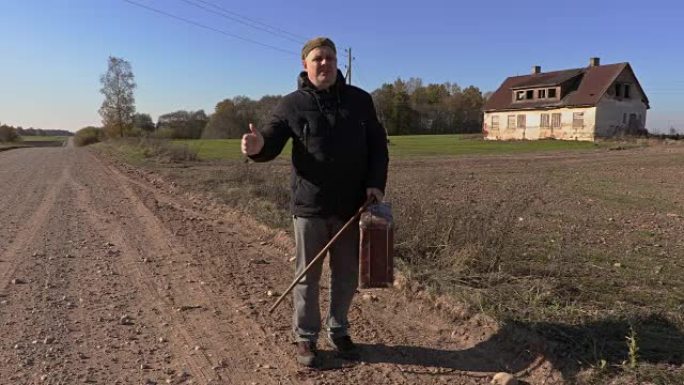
{"points": [[339, 159]]}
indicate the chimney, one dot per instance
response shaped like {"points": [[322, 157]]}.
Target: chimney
{"points": [[594, 62], [536, 70]]}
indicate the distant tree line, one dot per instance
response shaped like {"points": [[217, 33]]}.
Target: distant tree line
{"points": [[672, 135], [410, 107], [11, 134], [230, 119], [403, 107], [40, 132]]}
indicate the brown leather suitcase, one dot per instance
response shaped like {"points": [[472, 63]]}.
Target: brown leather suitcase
{"points": [[376, 247]]}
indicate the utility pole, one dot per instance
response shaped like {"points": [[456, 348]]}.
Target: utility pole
{"points": [[349, 66]]}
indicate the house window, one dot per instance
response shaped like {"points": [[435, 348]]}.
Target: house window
{"points": [[541, 94], [495, 122], [529, 94], [577, 119], [624, 118], [555, 120], [618, 89], [626, 89], [520, 95], [552, 93], [544, 121], [511, 121], [521, 121]]}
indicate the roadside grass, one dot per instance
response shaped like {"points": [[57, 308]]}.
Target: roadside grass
{"points": [[408, 146], [583, 250], [219, 149], [140, 152]]}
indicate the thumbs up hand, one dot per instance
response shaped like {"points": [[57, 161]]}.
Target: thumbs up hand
{"points": [[252, 142]]}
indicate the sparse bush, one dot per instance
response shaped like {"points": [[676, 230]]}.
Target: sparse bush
{"points": [[179, 153], [88, 135], [447, 246]]}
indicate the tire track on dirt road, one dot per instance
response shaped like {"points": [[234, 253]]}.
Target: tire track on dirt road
{"points": [[152, 259], [25, 237], [152, 296]]}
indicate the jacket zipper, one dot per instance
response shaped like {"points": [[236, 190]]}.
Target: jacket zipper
{"points": [[306, 136]]}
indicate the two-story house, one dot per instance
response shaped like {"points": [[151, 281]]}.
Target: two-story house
{"points": [[576, 104]]}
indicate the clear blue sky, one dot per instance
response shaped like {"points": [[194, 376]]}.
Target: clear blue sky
{"points": [[52, 52]]}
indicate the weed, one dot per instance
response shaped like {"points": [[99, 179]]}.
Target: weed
{"points": [[633, 348]]}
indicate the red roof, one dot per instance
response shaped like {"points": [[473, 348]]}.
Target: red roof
{"points": [[583, 87]]}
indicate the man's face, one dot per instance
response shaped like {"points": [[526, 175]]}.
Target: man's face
{"points": [[321, 67]]}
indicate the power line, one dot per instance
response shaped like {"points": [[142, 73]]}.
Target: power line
{"points": [[250, 22], [200, 25], [360, 75], [209, 28], [267, 28]]}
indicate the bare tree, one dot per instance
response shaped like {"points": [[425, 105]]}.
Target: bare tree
{"points": [[118, 108]]}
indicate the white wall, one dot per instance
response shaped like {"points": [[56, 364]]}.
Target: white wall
{"points": [[533, 131]]}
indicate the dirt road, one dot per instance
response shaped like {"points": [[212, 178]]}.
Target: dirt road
{"points": [[109, 276]]}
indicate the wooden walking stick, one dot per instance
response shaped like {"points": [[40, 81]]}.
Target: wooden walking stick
{"points": [[321, 254]]}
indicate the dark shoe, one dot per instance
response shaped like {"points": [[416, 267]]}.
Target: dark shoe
{"points": [[345, 347], [306, 353]]}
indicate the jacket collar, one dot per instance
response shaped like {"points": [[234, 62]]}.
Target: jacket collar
{"points": [[304, 84]]}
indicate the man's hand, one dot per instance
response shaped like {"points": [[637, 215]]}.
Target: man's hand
{"points": [[375, 193], [252, 142]]}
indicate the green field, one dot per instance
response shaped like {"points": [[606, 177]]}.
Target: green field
{"points": [[34, 141], [43, 138], [408, 146]]}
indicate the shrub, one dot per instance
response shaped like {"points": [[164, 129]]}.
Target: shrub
{"points": [[8, 134], [88, 135]]}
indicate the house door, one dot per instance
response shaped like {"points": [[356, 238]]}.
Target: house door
{"points": [[633, 125]]}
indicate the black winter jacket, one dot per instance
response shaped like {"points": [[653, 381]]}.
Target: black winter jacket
{"points": [[338, 147]]}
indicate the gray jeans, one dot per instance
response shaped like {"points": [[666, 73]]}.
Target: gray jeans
{"points": [[311, 235]]}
